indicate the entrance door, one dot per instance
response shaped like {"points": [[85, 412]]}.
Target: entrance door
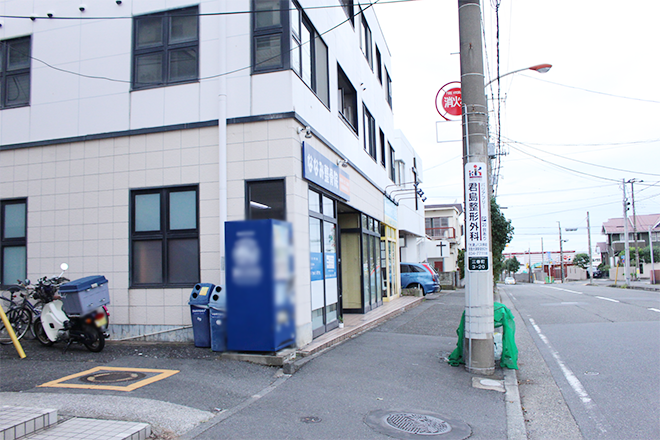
{"points": [[323, 263]]}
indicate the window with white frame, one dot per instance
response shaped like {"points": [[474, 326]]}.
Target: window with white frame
{"points": [[347, 97], [366, 40], [392, 163], [15, 72], [369, 133], [388, 88], [347, 6], [166, 48], [309, 54]]}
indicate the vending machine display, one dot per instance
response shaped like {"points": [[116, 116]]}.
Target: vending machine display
{"points": [[260, 287]]}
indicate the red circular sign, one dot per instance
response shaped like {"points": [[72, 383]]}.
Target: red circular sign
{"points": [[448, 101]]}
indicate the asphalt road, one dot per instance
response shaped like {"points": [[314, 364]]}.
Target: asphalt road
{"points": [[602, 347]]}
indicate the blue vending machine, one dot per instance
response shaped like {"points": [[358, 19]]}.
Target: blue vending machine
{"points": [[260, 287]]}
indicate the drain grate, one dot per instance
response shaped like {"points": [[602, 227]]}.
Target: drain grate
{"points": [[419, 424], [416, 425]]}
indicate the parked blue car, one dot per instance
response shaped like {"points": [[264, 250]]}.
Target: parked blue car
{"points": [[421, 276]]}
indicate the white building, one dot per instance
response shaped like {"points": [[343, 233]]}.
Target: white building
{"points": [[444, 228], [131, 131]]}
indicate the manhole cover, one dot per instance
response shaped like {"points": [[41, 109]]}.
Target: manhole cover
{"points": [[418, 423], [412, 425], [310, 419], [112, 377]]}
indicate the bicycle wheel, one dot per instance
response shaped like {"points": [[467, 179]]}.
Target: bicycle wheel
{"points": [[20, 319]]}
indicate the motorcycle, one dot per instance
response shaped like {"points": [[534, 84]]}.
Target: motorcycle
{"points": [[63, 318]]}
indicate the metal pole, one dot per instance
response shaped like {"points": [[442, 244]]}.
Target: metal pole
{"points": [[561, 254], [626, 254], [479, 281], [591, 261]]}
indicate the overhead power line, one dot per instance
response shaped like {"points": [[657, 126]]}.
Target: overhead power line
{"points": [[585, 162], [201, 14], [361, 8], [591, 91]]}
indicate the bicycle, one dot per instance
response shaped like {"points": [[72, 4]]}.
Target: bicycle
{"points": [[19, 314], [22, 314]]}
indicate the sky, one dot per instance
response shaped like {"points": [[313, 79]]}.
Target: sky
{"points": [[570, 136]]}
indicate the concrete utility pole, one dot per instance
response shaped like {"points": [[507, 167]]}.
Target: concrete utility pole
{"points": [[479, 326], [542, 262], [653, 280], [561, 254], [591, 261], [626, 254], [632, 195]]}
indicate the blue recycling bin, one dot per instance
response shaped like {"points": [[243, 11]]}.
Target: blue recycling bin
{"points": [[199, 313], [218, 319]]}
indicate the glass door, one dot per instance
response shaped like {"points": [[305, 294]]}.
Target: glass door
{"points": [[323, 263]]}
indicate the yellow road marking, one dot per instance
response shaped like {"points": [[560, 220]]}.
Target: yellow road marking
{"points": [[161, 374]]}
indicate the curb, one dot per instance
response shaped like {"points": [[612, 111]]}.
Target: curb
{"points": [[515, 421]]}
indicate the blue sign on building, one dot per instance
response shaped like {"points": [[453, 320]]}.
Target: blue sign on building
{"points": [[319, 169]]}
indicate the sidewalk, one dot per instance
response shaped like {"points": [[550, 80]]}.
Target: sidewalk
{"points": [[341, 379]]}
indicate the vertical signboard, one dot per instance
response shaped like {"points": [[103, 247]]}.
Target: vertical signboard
{"points": [[477, 208]]}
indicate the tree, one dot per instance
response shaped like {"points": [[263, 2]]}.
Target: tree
{"points": [[581, 260], [512, 265], [461, 263], [645, 253], [501, 234]]}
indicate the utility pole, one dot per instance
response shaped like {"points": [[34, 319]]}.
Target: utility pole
{"points": [[542, 262], [626, 254], [479, 325], [632, 195], [591, 261], [561, 254], [653, 280]]}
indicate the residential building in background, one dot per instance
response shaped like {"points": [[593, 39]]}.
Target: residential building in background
{"points": [[648, 228], [131, 131], [444, 226]]}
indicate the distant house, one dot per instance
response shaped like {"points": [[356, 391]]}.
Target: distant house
{"points": [[614, 229], [444, 228]]}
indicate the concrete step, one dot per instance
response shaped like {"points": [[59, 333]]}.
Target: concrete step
{"points": [[17, 422], [41, 424]]}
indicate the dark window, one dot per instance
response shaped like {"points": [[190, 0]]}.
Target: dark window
{"points": [[379, 66], [166, 48], [388, 88], [265, 200], [365, 41], [13, 243], [347, 5], [270, 43], [309, 54], [405, 268], [383, 157], [15, 72], [369, 133], [392, 164], [347, 99], [164, 237]]}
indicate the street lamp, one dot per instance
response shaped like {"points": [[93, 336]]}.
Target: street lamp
{"points": [[540, 68]]}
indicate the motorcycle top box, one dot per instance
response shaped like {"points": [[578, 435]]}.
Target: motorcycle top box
{"points": [[84, 295]]}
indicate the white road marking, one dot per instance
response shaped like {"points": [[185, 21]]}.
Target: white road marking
{"points": [[565, 290], [572, 380], [607, 299], [654, 310]]}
